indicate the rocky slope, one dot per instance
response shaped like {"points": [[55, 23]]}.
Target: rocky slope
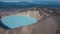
{"points": [[33, 12], [41, 14]]}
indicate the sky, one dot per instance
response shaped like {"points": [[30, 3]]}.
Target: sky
{"points": [[13, 0], [25, 0]]}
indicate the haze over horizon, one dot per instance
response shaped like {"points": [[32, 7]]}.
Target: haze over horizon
{"points": [[25, 0]]}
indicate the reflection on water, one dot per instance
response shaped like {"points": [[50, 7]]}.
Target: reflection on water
{"points": [[3, 26]]}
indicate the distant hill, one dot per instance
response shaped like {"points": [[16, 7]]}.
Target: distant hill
{"points": [[16, 5], [11, 5]]}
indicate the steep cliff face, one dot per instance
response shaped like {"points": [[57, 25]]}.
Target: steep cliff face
{"points": [[34, 13]]}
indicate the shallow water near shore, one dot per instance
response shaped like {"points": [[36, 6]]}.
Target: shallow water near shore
{"points": [[17, 21]]}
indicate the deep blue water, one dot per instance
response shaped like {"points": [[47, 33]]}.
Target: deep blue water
{"points": [[17, 21]]}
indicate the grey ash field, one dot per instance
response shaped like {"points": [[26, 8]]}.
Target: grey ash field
{"points": [[48, 21]]}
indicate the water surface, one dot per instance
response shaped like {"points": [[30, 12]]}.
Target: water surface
{"points": [[17, 21]]}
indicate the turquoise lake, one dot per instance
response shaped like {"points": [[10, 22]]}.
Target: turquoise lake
{"points": [[17, 21]]}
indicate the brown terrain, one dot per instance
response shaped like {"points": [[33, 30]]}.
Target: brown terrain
{"points": [[48, 21]]}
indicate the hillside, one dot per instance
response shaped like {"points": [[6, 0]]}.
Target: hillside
{"points": [[20, 5]]}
